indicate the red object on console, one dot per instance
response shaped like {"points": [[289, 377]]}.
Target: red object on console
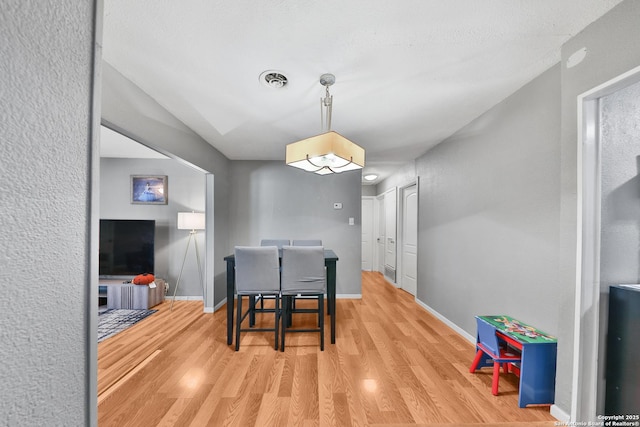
{"points": [[143, 279]]}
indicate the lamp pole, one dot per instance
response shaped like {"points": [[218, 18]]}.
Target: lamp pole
{"points": [[192, 236]]}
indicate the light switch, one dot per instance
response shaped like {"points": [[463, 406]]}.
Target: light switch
{"points": [[337, 205], [352, 221]]}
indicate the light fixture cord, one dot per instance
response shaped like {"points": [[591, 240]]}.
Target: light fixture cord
{"points": [[326, 105]]}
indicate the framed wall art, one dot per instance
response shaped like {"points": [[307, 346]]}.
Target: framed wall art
{"points": [[149, 189]]}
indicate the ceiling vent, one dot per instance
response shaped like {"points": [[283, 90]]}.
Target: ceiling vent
{"points": [[274, 79]]}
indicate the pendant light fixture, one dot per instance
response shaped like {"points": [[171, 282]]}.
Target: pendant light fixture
{"points": [[328, 152]]}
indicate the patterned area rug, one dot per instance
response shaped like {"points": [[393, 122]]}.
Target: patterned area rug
{"points": [[117, 320]]}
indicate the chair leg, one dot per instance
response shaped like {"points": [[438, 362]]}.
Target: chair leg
{"points": [[277, 320], [321, 320], [283, 321], [286, 319], [290, 307], [238, 321], [476, 361], [496, 378], [515, 369], [252, 312]]}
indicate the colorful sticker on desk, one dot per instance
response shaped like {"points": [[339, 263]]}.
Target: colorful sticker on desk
{"points": [[520, 330]]}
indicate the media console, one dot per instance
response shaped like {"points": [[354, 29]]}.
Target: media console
{"points": [[130, 296]]}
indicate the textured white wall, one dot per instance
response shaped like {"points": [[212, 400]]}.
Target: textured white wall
{"points": [[620, 217], [620, 151], [46, 57]]}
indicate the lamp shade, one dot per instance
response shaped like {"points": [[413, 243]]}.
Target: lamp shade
{"points": [[190, 221], [326, 153]]}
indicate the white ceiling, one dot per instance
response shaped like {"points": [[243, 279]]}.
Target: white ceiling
{"points": [[408, 73]]}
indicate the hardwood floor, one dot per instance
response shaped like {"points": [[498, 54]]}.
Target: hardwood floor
{"points": [[393, 364]]}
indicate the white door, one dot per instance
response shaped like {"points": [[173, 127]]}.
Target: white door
{"points": [[367, 234], [409, 253], [390, 231], [380, 237]]}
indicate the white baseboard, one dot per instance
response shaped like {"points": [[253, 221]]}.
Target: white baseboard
{"points": [[560, 414], [390, 281], [447, 322], [348, 296], [186, 298], [192, 298], [220, 304]]}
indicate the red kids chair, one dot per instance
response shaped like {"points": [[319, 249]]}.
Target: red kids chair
{"points": [[488, 344]]}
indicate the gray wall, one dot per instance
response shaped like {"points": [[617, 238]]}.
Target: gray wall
{"points": [[186, 192], [46, 59], [612, 49], [130, 111], [620, 201], [489, 209], [369, 190], [489, 212], [403, 175], [270, 200]]}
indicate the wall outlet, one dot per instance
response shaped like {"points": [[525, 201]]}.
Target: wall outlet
{"points": [[337, 205]]}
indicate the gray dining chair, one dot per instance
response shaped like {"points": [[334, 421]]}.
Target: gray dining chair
{"points": [[275, 242], [311, 242], [257, 273], [303, 242], [260, 298], [303, 275]]}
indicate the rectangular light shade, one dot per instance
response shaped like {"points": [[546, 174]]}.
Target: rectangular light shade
{"points": [[326, 153], [190, 221]]}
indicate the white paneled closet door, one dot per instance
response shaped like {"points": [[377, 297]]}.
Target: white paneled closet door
{"points": [[379, 225], [409, 252], [390, 218], [367, 234]]}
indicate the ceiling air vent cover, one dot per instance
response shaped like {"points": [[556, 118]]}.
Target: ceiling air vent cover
{"points": [[274, 79]]}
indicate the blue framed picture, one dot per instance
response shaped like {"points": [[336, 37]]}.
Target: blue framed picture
{"points": [[149, 189]]}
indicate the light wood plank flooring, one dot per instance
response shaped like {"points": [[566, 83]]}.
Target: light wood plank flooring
{"points": [[393, 364]]}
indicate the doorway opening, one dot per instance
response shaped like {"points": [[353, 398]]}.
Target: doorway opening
{"points": [[591, 286]]}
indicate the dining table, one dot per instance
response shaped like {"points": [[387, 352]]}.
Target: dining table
{"points": [[330, 261]]}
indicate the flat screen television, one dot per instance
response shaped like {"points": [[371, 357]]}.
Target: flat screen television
{"points": [[126, 247]]}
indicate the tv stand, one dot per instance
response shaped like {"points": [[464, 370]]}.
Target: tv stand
{"points": [[133, 297]]}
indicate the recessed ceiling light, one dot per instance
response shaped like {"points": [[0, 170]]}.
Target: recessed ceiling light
{"points": [[371, 177], [274, 79]]}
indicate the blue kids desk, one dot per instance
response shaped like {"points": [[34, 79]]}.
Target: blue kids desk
{"points": [[538, 365]]}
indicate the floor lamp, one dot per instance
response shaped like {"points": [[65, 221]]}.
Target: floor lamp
{"points": [[190, 221]]}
